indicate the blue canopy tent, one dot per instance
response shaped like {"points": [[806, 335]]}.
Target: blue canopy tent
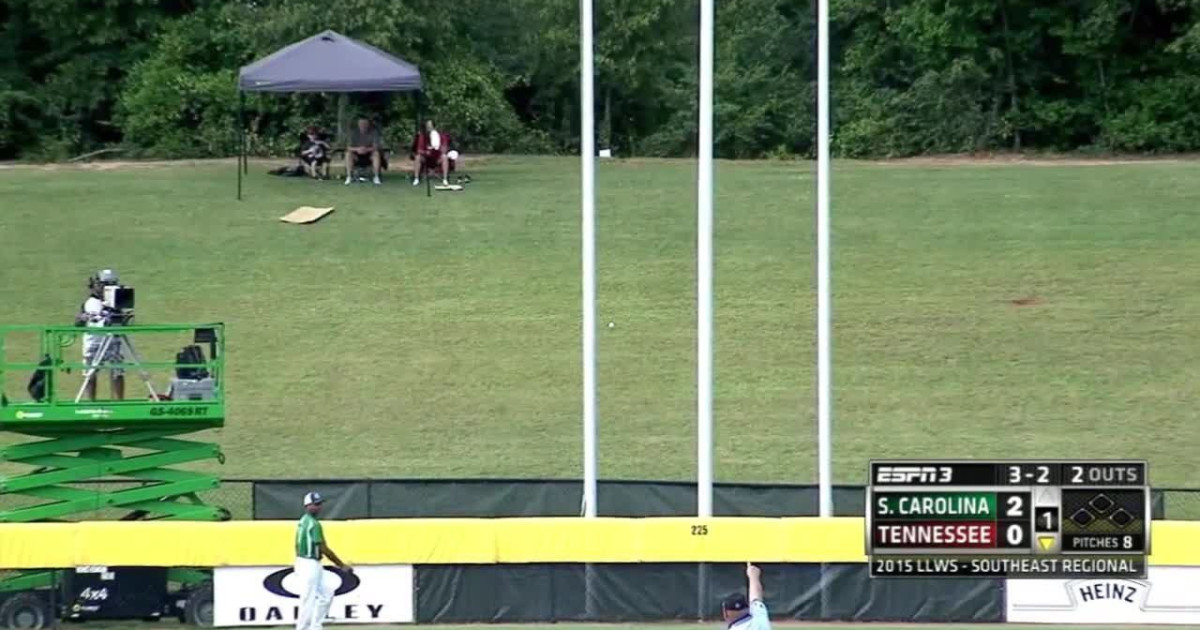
{"points": [[326, 62]]}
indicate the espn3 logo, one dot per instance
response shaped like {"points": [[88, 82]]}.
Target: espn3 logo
{"points": [[913, 474]]}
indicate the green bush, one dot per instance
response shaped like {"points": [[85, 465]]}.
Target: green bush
{"points": [[1159, 115], [940, 112], [173, 106], [19, 112], [466, 97]]}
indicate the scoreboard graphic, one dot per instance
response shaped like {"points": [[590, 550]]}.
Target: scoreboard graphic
{"points": [[1015, 519]]}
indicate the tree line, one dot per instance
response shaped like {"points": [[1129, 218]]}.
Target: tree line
{"points": [[158, 77]]}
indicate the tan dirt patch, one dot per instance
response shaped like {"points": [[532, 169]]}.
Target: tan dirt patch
{"points": [[980, 159], [403, 164], [993, 159]]}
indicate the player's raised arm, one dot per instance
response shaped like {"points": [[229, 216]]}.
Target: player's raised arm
{"points": [[754, 583]]}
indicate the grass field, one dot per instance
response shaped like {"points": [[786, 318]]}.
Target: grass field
{"points": [[117, 625], [980, 311], [802, 626], [798, 626], [791, 625]]}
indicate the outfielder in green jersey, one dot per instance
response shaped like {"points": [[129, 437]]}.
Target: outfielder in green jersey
{"points": [[316, 591]]}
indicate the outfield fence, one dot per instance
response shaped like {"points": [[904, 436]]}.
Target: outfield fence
{"points": [[462, 570], [434, 551], [489, 498], [269, 499]]}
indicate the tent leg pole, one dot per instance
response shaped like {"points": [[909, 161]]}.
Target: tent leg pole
{"points": [[241, 140], [245, 158], [421, 114]]}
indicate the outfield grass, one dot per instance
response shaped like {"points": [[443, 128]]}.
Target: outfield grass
{"points": [[414, 337], [675, 625], [705, 625], [104, 625], [779, 624]]}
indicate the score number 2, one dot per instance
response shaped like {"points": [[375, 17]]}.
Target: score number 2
{"points": [[1015, 476]]}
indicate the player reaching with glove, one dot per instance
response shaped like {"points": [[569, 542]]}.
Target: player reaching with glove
{"points": [[747, 612]]}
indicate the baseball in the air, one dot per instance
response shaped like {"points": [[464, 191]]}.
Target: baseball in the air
{"points": [[611, 325]]}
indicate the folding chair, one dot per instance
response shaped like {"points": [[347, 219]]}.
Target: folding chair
{"points": [[323, 163], [434, 167], [362, 163]]}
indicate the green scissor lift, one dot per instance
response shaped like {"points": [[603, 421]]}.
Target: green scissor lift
{"points": [[131, 445]]}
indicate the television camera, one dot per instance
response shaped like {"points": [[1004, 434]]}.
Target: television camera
{"points": [[117, 299]]}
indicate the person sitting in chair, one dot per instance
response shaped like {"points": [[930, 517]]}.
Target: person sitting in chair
{"points": [[365, 147], [431, 148], [314, 153]]}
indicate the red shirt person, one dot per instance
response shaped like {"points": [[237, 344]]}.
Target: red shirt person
{"points": [[432, 148]]}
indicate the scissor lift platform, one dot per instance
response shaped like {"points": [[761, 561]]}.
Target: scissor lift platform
{"points": [[106, 458], [135, 439]]}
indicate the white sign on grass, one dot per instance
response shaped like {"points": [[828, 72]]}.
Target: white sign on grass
{"points": [[1170, 595], [269, 596]]}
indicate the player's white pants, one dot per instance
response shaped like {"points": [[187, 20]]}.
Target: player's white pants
{"points": [[316, 594]]}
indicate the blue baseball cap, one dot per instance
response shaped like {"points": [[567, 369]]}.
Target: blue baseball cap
{"points": [[735, 603]]}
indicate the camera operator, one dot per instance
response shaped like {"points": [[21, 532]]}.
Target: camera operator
{"points": [[94, 313]]}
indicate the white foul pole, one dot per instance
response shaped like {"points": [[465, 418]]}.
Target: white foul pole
{"points": [[704, 275], [824, 332], [588, 160]]}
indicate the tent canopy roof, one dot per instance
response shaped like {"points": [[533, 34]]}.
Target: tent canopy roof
{"points": [[329, 62]]}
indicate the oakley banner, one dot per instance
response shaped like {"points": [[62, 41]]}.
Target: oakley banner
{"points": [[270, 596]]}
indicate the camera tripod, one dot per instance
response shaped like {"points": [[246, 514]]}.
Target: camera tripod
{"points": [[101, 354]]}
